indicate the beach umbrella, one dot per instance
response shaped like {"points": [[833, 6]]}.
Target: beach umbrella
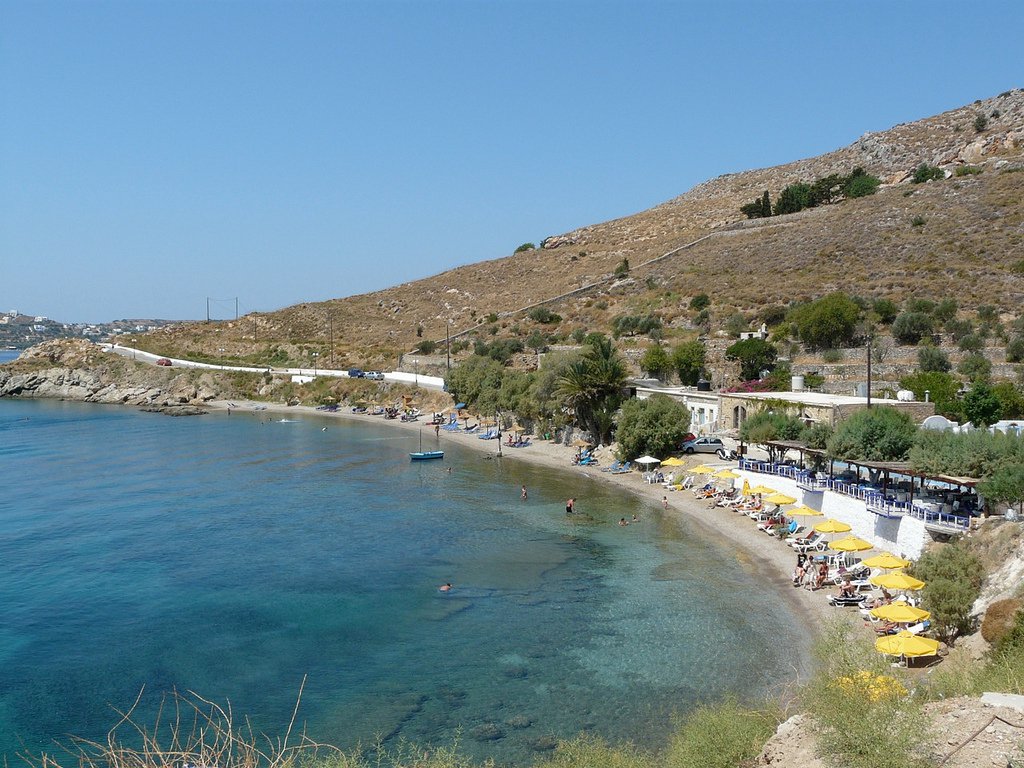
{"points": [[781, 499], [746, 489], [832, 526], [581, 443], [901, 613], [897, 580], [886, 561], [906, 644], [804, 511], [851, 544], [673, 461], [647, 460], [703, 469], [726, 474], [764, 490]]}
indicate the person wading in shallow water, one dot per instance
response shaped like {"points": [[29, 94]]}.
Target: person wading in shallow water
{"points": [[523, 495], [570, 506]]}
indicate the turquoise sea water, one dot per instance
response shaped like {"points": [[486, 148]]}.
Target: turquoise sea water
{"points": [[234, 555]]}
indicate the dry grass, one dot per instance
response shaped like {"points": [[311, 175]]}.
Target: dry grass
{"points": [[188, 731]]}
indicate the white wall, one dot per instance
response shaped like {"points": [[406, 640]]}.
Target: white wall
{"points": [[904, 536]]}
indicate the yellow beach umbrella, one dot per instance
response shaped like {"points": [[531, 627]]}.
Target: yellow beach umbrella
{"points": [[746, 489], [851, 544], [906, 644], [901, 613], [886, 561], [726, 474], [764, 490], [832, 526], [672, 461], [897, 580], [804, 511], [703, 469], [781, 499]]}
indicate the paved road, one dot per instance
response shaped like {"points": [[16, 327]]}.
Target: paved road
{"points": [[402, 377]]}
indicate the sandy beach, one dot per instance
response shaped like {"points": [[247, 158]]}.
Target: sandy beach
{"points": [[767, 558]]}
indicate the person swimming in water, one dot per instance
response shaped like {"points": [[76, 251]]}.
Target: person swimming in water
{"points": [[445, 587]]}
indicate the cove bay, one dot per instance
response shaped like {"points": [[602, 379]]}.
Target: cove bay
{"points": [[236, 556]]}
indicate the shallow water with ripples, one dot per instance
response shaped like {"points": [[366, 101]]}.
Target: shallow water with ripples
{"points": [[237, 555]]}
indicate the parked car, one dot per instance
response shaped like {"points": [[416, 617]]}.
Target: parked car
{"points": [[163, 361], [703, 445], [355, 373], [374, 375]]}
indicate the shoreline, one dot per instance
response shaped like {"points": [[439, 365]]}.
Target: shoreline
{"points": [[761, 556]]}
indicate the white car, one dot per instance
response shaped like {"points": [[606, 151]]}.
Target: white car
{"points": [[374, 375], [703, 445]]}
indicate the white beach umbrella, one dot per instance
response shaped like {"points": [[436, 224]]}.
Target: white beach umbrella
{"points": [[647, 460]]}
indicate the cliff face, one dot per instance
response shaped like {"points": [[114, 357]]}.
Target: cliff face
{"points": [[78, 370]]}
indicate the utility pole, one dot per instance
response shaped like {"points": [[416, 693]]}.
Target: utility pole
{"points": [[207, 309], [236, 307], [447, 346], [869, 371], [331, 318]]}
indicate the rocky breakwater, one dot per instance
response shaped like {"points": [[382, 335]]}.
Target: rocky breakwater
{"points": [[79, 370]]}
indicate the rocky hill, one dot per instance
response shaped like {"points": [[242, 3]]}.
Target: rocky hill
{"points": [[962, 236]]}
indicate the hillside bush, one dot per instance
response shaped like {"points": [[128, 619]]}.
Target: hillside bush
{"points": [[885, 309], [656, 362], [911, 327], [874, 434], [931, 358], [426, 347], [925, 172], [792, 199], [1011, 400], [736, 324], [688, 362], [924, 306], [544, 315], [861, 184], [970, 343], [980, 123], [832, 355], [968, 170], [767, 425], [953, 575], [975, 367], [829, 322], [1006, 485], [945, 310], [754, 356], [723, 735], [623, 268], [700, 301], [525, 247], [630, 325]]}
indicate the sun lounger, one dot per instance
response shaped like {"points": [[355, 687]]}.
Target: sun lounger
{"points": [[846, 600], [614, 466]]}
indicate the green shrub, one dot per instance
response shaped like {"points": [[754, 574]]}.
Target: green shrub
{"points": [[980, 123], [918, 221], [953, 576], [968, 170], [582, 752], [702, 300], [861, 185], [911, 327], [866, 716], [927, 172], [754, 356], [971, 343], [525, 247], [544, 315], [721, 736], [1015, 350], [931, 358], [426, 347], [829, 322], [688, 362], [945, 310], [832, 355], [875, 434], [793, 198], [736, 324], [654, 426], [656, 362], [975, 367], [885, 309], [623, 268]]}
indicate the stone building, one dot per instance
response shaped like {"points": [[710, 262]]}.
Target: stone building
{"points": [[815, 407]]}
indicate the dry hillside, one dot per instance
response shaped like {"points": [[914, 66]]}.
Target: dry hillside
{"points": [[963, 236]]}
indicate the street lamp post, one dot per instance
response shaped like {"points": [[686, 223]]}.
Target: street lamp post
{"points": [[416, 369], [315, 355]]}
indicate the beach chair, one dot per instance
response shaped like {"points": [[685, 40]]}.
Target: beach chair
{"points": [[623, 468], [613, 467]]}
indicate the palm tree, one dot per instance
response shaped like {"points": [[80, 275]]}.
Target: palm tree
{"points": [[592, 387]]}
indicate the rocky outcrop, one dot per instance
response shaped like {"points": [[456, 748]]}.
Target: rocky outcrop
{"points": [[78, 370]]}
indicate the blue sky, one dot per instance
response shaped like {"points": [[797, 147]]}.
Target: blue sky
{"points": [[154, 153]]}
